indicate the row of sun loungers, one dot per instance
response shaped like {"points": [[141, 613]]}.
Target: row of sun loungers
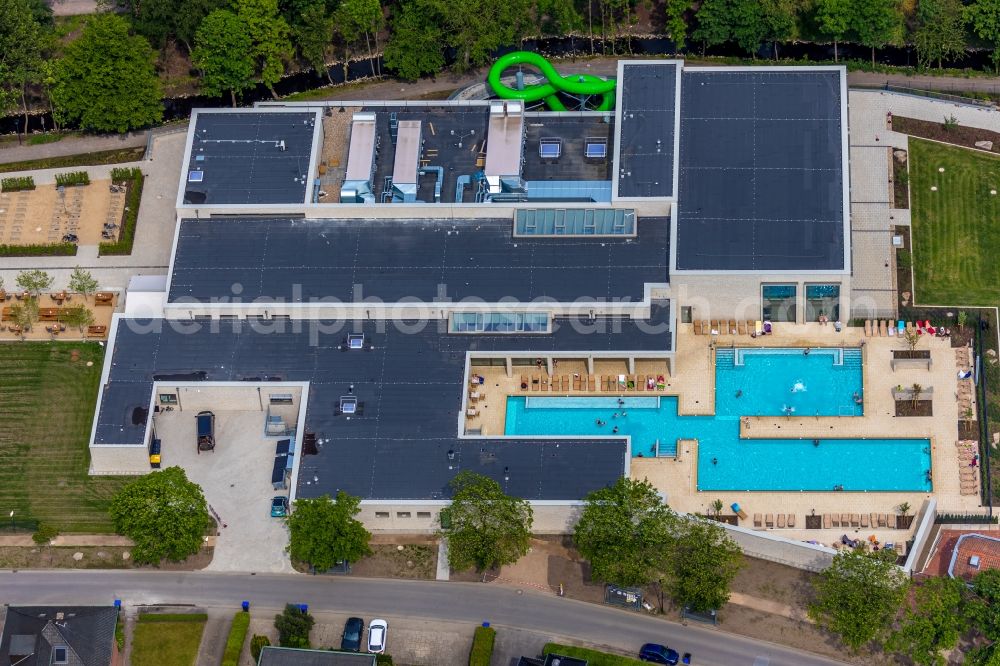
{"points": [[784, 520], [887, 520], [609, 383], [968, 466], [731, 327], [881, 328]]}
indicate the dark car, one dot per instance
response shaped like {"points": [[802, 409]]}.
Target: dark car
{"points": [[279, 506], [658, 654], [354, 629], [206, 431]]}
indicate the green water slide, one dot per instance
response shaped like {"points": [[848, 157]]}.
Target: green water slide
{"points": [[574, 84]]}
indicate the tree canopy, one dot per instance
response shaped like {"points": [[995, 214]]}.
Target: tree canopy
{"points": [[485, 527], [269, 35], [34, 281], [703, 562], [984, 17], [222, 53], [414, 49], [294, 625], [625, 532], [324, 531], [105, 80], [82, 282], [933, 624], [858, 596], [163, 513], [23, 42], [940, 32]]}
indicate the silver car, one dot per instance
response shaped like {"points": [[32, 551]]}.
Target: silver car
{"points": [[377, 631]]}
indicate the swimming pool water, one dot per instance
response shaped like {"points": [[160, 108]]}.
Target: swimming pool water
{"points": [[761, 383]]}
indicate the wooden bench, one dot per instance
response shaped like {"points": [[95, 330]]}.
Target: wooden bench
{"points": [[97, 331]]}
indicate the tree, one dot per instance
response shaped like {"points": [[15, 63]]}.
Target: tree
{"points": [[34, 281], [984, 17], [940, 32], [984, 607], [105, 80], [22, 45], [715, 18], [877, 23], [934, 623], [833, 19], [749, 23], [674, 23], [79, 316], [477, 28], [558, 17], [356, 18], [485, 527], [858, 595], [82, 282], [703, 562], [915, 391], [24, 314], [313, 34], [163, 513], [416, 44], [912, 338], [325, 532], [269, 38], [293, 626], [222, 53], [625, 532]]}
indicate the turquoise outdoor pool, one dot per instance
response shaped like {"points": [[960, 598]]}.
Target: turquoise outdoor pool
{"points": [[757, 382]]}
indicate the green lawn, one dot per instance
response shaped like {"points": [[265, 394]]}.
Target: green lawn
{"points": [[46, 410], [956, 229], [172, 643]]}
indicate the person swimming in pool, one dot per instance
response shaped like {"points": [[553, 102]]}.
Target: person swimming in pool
{"points": [[599, 422], [614, 430], [739, 393], [715, 461], [621, 403]]}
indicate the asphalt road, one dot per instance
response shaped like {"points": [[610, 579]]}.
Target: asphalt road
{"points": [[502, 606]]}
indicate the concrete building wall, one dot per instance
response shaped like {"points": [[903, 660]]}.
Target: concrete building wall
{"points": [[767, 546], [737, 296], [416, 517], [227, 398], [119, 460]]}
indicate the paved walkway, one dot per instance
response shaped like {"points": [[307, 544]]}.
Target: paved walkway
{"points": [[769, 606], [72, 145]]}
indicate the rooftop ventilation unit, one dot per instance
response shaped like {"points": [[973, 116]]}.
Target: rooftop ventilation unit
{"points": [[357, 187], [974, 561], [504, 147], [404, 169]]}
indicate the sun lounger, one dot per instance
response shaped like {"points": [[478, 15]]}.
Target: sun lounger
{"points": [[591, 383], [622, 383], [697, 327], [781, 520], [845, 520], [732, 327], [577, 382], [891, 329], [900, 328], [791, 520], [882, 328], [874, 519], [756, 520], [471, 411], [535, 382], [855, 520], [749, 323], [909, 327], [738, 510], [741, 327], [881, 520], [768, 520], [631, 382], [868, 328], [545, 382], [758, 327], [524, 382], [706, 328], [715, 330], [835, 519], [827, 521], [890, 520], [565, 382], [864, 520]]}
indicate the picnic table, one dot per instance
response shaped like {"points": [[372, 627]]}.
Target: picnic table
{"points": [[48, 314], [104, 298], [97, 331]]}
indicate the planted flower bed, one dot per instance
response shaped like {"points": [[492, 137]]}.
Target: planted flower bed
{"points": [[72, 179], [17, 184]]}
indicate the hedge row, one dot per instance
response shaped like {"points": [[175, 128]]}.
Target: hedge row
{"points": [[17, 184], [50, 250], [72, 178], [173, 617], [592, 657], [135, 179], [237, 636], [482, 646]]}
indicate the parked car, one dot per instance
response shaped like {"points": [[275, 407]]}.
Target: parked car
{"points": [[206, 431], [354, 630], [376, 636], [658, 654], [279, 509]]}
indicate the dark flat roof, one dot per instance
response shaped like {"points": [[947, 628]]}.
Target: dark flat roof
{"points": [[241, 162], [646, 154], [573, 131], [442, 130], [411, 384], [761, 171], [299, 260], [275, 656]]}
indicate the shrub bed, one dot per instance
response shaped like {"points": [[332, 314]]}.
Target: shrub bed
{"points": [[50, 250], [72, 179], [133, 180], [17, 184], [482, 646], [237, 636], [173, 617]]}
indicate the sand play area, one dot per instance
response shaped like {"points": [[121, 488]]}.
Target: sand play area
{"points": [[48, 213]]}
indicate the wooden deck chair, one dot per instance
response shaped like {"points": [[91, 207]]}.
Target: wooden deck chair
{"points": [[697, 327], [732, 327], [890, 519], [577, 382], [635, 384], [524, 383], [769, 520], [868, 328], [883, 330], [741, 327], [591, 383], [874, 519], [756, 520], [835, 519], [909, 327], [640, 383], [881, 520], [864, 520], [749, 323], [791, 520], [758, 327], [715, 327], [535, 382], [781, 521], [565, 382], [845, 520], [855, 520], [827, 521], [545, 383]]}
